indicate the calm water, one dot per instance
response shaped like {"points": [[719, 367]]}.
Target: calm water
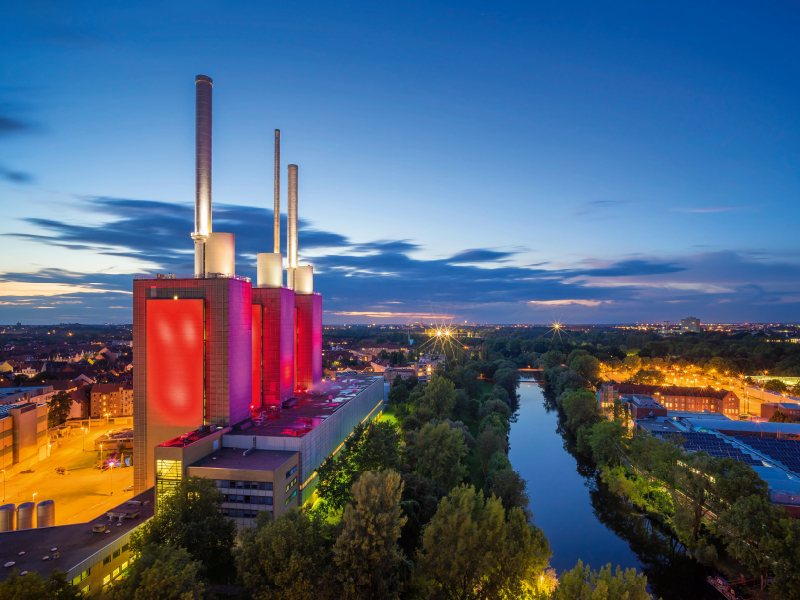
{"points": [[582, 519]]}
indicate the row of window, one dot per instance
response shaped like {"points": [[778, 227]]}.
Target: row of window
{"points": [[115, 554], [241, 514], [291, 472], [244, 485], [291, 497], [247, 499], [291, 484]]}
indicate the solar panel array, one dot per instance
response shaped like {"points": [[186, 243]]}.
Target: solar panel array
{"points": [[713, 446], [786, 452]]}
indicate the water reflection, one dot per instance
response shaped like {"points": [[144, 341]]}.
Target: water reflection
{"points": [[582, 518]]}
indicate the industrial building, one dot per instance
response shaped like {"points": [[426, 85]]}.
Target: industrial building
{"points": [[227, 374], [269, 462], [676, 397]]}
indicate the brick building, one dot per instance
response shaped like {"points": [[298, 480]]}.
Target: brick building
{"points": [[111, 399], [675, 397]]}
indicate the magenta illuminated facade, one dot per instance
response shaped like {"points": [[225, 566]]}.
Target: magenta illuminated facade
{"points": [[277, 334], [309, 341]]}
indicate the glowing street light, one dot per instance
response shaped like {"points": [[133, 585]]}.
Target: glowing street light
{"points": [[112, 478]]}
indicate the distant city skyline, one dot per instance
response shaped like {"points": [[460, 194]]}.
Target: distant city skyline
{"points": [[598, 164]]}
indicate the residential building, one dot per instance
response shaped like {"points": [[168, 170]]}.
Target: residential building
{"points": [[691, 324], [674, 397]]}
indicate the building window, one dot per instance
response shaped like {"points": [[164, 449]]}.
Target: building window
{"points": [[291, 472], [85, 591], [115, 573], [107, 560], [291, 484], [106, 579], [125, 547], [168, 469], [290, 498], [265, 485], [116, 554]]}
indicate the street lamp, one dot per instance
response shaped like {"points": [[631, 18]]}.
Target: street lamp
{"points": [[101, 455], [84, 439], [112, 478]]}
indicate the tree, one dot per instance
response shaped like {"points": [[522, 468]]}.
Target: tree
{"points": [[779, 417], [419, 500], [32, 587], [694, 479], [581, 409], [440, 396], [163, 572], [437, 452], [367, 554], [748, 524], [606, 440], [784, 547], [588, 367], [650, 377], [581, 583], [58, 409], [287, 558], [551, 359], [510, 487], [494, 405], [190, 518], [489, 442], [775, 385], [20, 378], [373, 447], [470, 551], [734, 479], [508, 379], [398, 395]]}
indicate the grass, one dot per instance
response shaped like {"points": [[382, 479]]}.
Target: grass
{"points": [[390, 416]]}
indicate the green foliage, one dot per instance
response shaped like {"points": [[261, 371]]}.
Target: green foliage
{"points": [[775, 385], [587, 366], [440, 397], [32, 587], [581, 583], [367, 555], [606, 440], [471, 550], [58, 409], [580, 409], [373, 447], [507, 485], [779, 417], [508, 379], [650, 377], [693, 478], [749, 524], [287, 558], [399, 393], [419, 500], [165, 572], [437, 452], [551, 359], [190, 518], [489, 442], [784, 546]]}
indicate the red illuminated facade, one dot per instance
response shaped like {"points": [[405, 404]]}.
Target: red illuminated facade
{"points": [[226, 331]]}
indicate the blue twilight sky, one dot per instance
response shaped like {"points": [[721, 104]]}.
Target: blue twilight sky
{"points": [[491, 162]]}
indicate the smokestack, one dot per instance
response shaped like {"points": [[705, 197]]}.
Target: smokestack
{"points": [[202, 201], [291, 243], [277, 227]]}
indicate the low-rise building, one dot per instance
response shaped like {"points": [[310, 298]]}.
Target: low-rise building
{"points": [[92, 554], [788, 409], [23, 433], [675, 397], [111, 400]]}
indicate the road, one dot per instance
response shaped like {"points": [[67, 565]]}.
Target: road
{"points": [[83, 493]]}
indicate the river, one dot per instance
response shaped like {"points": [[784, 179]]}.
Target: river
{"points": [[582, 519]]}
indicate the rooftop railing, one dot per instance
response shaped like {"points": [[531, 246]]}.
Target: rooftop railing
{"points": [[191, 276]]}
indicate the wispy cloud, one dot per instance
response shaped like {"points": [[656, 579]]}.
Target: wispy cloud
{"points": [[568, 302], [710, 209]]}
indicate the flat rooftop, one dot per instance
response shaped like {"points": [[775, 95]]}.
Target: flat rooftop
{"points": [[702, 414], [309, 411], [658, 425], [256, 460], [641, 401], [74, 543]]}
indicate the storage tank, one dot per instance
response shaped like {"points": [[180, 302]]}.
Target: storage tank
{"points": [[269, 270], [304, 280], [220, 253], [8, 517], [25, 515], [46, 514]]}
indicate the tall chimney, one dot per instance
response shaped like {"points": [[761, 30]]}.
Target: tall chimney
{"points": [[291, 243], [277, 226], [202, 199]]}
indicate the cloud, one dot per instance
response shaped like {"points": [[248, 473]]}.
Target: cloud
{"points": [[568, 302], [477, 255], [360, 279], [596, 207], [10, 125]]}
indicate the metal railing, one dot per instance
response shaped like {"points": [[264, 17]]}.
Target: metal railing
{"points": [[192, 276]]}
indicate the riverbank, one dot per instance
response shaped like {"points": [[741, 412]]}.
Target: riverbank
{"points": [[581, 518]]}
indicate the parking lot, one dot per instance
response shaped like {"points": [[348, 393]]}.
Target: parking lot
{"points": [[83, 492]]}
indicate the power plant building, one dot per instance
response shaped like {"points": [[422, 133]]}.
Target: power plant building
{"points": [[227, 374]]}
